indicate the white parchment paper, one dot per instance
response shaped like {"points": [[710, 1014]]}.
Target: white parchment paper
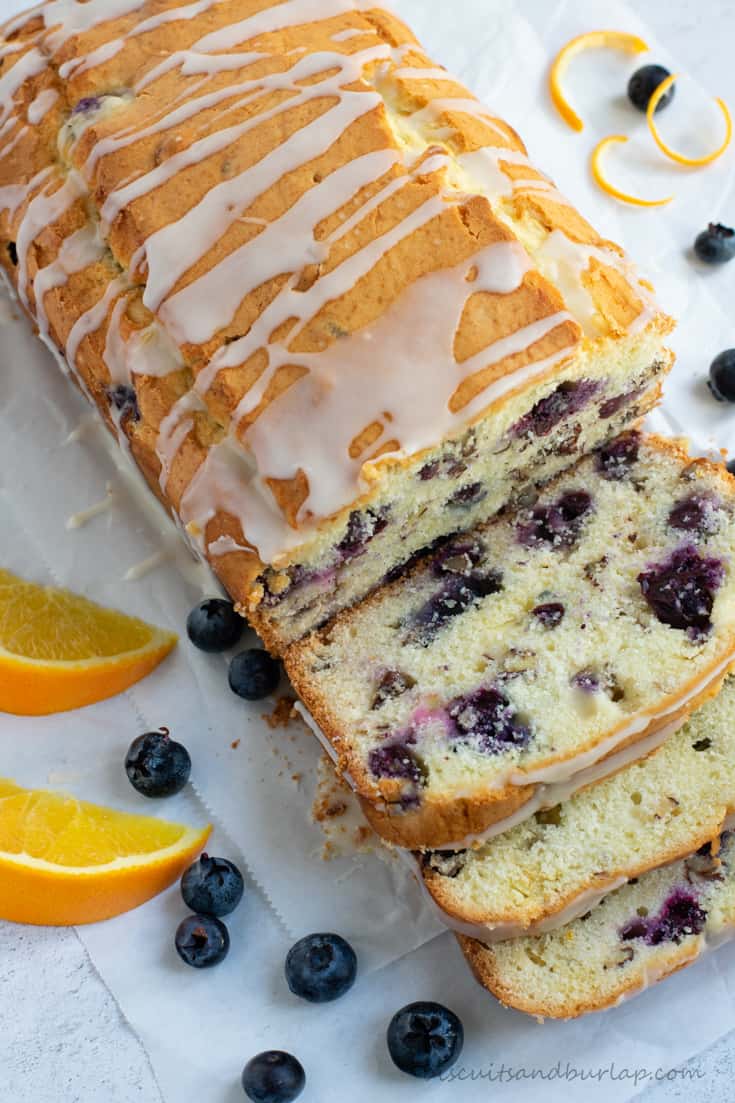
{"points": [[257, 783]]}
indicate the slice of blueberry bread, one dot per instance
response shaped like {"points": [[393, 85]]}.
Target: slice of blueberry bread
{"points": [[533, 647], [637, 936], [553, 867]]}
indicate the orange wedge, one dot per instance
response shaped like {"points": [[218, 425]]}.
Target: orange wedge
{"points": [[618, 40], [680, 158], [59, 651], [598, 172], [63, 861]]}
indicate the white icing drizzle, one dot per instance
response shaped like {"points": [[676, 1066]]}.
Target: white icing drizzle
{"points": [[173, 431], [552, 792], [482, 168], [175, 248], [460, 104], [43, 210], [41, 105], [348, 33], [13, 196], [81, 249], [30, 65], [413, 73], [77, 65], [78, 520], [72, 17], [17, 137], [92, 319], [564, 261], [115, 352], [140, 570], [368, 377], [349, 69], [110, 49], [224, 545], [280, 17], [209, 304]]}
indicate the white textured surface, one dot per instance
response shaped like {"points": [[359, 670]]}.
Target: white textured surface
{"points": [[62, 1037]]}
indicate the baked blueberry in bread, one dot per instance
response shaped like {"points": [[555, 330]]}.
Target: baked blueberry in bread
{"points": [[637, 936], [314, 287], [556, 865], [525, 652]]}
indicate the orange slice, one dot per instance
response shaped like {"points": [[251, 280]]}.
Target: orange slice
{"points": [[64, 861], [617, 40], [598, 172], [59, 651], [680, 158]]}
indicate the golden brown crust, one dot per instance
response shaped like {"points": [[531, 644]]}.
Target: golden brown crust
{"points": [[117, 54], [437, 824], [527, 916], [481, 960]]}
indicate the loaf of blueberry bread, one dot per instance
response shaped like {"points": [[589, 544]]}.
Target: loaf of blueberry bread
{"points": [[315, 288], [556, 865], [638, 935], [532, 648]]}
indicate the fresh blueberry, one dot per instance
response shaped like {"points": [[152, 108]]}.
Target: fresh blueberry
{"points": [[202, 941], [615, 460], [254, 675], [425, 1039], [430, 471], [398, 761], [321, 968], [456, 595], [568, 398], [156, 765], [696, 513], [85, 105], [487, 719], [716, 244], [213, 625], [125, 400], [614, 405], [644, 83], [680, 915], [273, 1077], [556, 525], [731, 467], [681, 590], [362, 528], [212, 886], [722, 376]]}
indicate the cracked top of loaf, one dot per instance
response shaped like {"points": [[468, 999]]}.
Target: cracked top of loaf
{"points": [[282, 251]]}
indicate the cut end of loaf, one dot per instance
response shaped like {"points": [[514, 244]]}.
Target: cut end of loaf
{"points": [[450, 694]]}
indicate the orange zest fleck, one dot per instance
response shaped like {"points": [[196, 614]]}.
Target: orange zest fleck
{"points": [[598, 172], [680, 158], [618, 40]]}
